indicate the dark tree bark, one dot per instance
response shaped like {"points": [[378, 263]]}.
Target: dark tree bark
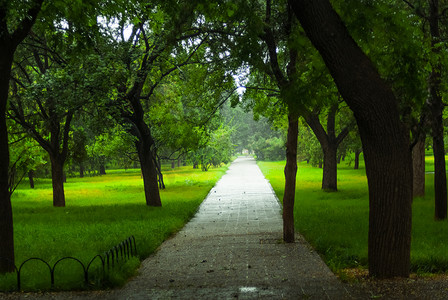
{"points": [[160, 174], [284, 80], [436, 110], [81, 170], [385, 140], [102, 169], [145, 144], [329, 143], [357, 154], [8, 44], [57, 149], [57, 180], [290, 178], [31, 178], [418, 163], [149, 174]]}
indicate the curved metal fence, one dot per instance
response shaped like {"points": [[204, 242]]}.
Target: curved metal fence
{"points": [[114, 255]]}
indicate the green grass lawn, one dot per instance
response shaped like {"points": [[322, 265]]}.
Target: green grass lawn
{"points": [[100, 212], [336, 224]]}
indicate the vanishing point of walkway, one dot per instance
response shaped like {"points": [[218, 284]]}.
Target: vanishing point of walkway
{"points": [[232, 249]]}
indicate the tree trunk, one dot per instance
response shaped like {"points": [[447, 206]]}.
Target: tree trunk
{"points": [[385, 140], [330, 172], [31, 178], [418, 164], [6, 220], [8, 44], [57, 180], [290, 179], [160, 174], [339, 158], [440, 188], [329, 143], [436, 108], [81, 170], [102, 169], [357, 154], [149, 173]]}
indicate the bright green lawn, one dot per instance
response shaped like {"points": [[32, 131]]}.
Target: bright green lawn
{"points": [[336, 224], [100, 212]]}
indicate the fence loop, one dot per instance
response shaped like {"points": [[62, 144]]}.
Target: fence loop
{"points": [[110, 255]]}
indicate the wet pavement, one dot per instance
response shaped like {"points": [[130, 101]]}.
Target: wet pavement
{"points": [[233, 249]]}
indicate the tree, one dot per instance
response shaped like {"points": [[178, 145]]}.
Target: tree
{"points": [[436, 107], [166, 37], [329, 142], [146, 57], [284, 82], [385, 141], [16, 20], [50, 84]]}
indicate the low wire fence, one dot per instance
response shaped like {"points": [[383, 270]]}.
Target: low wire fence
{"points": [[118, 253]]}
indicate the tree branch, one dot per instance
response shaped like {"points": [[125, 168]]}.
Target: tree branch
{"points": [[25, 25]]}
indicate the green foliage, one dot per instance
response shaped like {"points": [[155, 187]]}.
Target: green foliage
{"points": [[218, 150], [336, 224], [269, 149], [113, 145], [391, 35], [308, 147], [101, 212], [25, 155]]}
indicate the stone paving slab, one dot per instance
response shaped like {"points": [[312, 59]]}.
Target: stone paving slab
{"points": [[233, 248]]}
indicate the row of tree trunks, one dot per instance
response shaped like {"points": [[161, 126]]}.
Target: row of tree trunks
{"points": [[385, 140]]}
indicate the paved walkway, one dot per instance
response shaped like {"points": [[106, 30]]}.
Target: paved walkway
{"points": [[232, 249]]}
